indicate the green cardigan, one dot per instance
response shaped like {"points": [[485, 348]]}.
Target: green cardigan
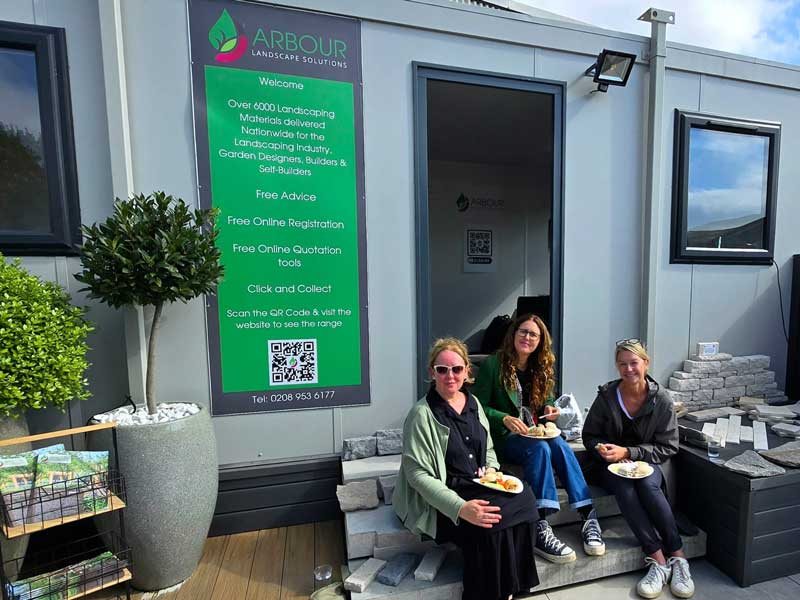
{"points": [[497, 401], [420, 490]]}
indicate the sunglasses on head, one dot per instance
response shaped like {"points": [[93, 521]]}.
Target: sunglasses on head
{"points": [[444, 369], [629, 341]]}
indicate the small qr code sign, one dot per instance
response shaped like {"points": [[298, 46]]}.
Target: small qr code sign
{"points": [[479, 242], [292, 362]]}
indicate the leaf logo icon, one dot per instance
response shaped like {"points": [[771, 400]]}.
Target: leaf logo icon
{"points": [[226, 39]]}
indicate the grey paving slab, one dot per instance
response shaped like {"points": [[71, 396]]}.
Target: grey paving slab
{"points": [[746, 434], [734, 429], [721, 431], [365, 529], [760, 441], [370, 468]]}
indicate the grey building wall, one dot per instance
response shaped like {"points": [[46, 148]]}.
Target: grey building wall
{"points": [[604, 146], [107, 375]]}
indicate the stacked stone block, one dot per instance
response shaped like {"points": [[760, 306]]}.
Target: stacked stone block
{"points": [[721, 379]]}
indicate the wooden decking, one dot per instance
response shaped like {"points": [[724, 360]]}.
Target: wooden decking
{"points": [[271, 564]]}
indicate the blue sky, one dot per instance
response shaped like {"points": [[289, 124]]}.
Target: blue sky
{"points": [[18, 93], [768, 29]]}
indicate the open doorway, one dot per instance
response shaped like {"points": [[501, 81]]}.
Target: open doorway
{"points": [[489, 159]]}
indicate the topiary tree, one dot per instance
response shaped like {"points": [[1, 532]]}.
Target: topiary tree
{"points": [[42, 343], [152, 250]]}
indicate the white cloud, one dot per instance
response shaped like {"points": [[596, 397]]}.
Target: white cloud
{"points": [[761, 28]]}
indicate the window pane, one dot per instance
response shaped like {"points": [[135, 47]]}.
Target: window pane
{"points": [[24, 204], [727, 189]]}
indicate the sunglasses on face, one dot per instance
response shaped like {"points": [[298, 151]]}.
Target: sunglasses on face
{"points": [[444, 369]]}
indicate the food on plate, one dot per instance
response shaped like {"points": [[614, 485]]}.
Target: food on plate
{"points": [[634, 469], [550, 426], [497, 480], [537, 431]]}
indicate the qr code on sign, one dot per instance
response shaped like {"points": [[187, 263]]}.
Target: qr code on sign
{"points": [[292, 362], [479, 242]]}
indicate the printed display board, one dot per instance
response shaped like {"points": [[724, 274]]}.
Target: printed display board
{"points": [[279, 138]]}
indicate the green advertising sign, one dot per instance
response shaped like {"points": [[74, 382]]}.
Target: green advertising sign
{"points": [[279, 142]]}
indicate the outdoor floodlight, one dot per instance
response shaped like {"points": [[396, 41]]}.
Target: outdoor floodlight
{"points": [[611, 68]]}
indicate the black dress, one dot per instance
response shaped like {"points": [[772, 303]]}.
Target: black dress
{"points": [[499, 561]]}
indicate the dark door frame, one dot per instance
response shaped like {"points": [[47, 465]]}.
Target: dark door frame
{"points": [[422, 73]]}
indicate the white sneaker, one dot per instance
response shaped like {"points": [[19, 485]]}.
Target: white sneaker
{"points": [[681, 584], [655, 579]]}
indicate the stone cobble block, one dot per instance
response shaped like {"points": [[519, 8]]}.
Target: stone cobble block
{"points": [[739, 380], [726, 393], [397, 568], [430, 565], [758, 361], [390, 441], [358, 495], [683, 375], [360, 579], [719, 356], [739, 363], [386, 487], [728, 373], [703, 396], [764, 377], [712, 383], [760, 388], [679, 396], [684, 385], [359, 447], [698, 366]]}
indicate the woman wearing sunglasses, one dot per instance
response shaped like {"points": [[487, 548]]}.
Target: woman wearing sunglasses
{"points": [[632, 419], [446, 445], [515, 386]]}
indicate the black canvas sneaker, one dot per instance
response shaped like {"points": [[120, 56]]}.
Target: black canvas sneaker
{"points": [[593, 543], [548, 546]]}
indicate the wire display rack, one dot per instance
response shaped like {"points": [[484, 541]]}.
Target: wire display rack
{"points": [[78, 568]]}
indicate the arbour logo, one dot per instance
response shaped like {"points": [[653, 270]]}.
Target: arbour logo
{"points": [[225, 37]]}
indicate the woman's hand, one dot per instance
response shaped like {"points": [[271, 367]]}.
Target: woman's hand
{"points": [[551, 412], [515, 425], [480, 513], [613, 453]]}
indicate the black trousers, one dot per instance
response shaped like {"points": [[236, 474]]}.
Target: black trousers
{"points": [[646, 509]]}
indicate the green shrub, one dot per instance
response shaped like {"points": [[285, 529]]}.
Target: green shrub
{"points": [[42, 343]]}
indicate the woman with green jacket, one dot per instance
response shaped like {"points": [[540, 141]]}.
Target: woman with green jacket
{"points": [[515, 387], [446, 448]]}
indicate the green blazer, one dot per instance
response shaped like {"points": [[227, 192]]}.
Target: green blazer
{"points": [[421, 490], [497, 401]]}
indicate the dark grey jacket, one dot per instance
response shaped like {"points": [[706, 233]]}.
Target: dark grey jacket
{"points": [[655, 423]]}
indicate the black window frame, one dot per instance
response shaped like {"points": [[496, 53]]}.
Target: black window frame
{"points": [[49, 44], [680, 252]]}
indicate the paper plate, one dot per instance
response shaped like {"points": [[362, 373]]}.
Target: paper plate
{"points": [[644, 470], [548, 436], [499, 488]]}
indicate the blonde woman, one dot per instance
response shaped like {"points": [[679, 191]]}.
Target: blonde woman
{"points": [[632, 419], [446, 445], [516, 384]]}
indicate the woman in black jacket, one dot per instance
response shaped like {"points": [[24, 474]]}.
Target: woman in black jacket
{"points": [[633, 420]]}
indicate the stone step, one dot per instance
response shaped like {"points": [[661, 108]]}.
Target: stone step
{"points": [[370, 468], [623, 555]]}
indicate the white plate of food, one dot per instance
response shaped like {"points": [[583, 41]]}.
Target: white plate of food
{"points": [[548, 431], [500, 482], [631, 470]]}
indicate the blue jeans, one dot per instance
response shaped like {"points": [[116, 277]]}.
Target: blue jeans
{"points": [[539, 458]]}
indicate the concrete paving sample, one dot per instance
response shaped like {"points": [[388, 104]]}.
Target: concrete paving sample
{"points": [[361, 577], [447, 585], [430, 565], [746, 434], [396, 569], [359, 447], [721, 431], [734, 429], [366, 529], [710, 414], [760, 441], [358, 495], [390, 441], [370, 468]]}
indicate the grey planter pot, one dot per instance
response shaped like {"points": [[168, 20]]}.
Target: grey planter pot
{"points": [[16, 548], [170, 472]]}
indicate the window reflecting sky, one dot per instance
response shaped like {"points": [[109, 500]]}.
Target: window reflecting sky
{"points": [[19, 98], [727, 179]]}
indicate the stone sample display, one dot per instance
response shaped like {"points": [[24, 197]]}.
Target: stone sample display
{"points": [[751, 464], [707, 382], [734, 429], [397, 568], [746, 434], [390, 441], [787, 430], [721, 431], [713, 413], [430, 565], [787, 455], [760, 436], [359, 447], [358, 495], [364, 575]]}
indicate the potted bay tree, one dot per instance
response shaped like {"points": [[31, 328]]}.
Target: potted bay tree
{"points": [[152, 251]]}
